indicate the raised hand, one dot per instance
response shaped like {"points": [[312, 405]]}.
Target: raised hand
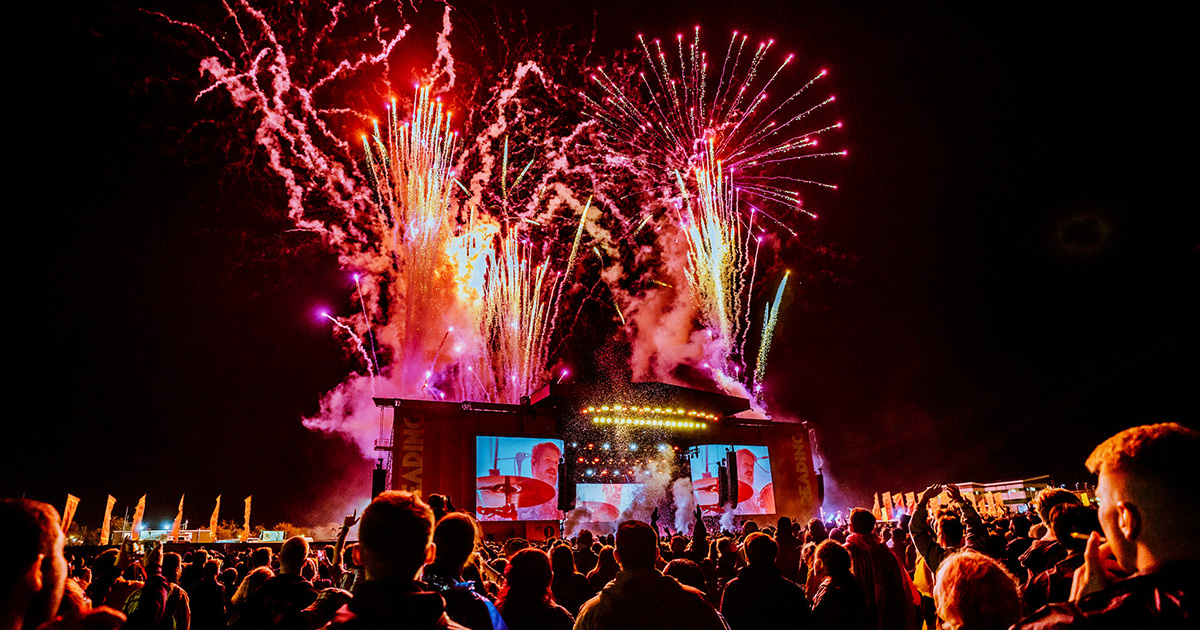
{"points": [[351, 519], [955, 493], [930, 492], [154, 554], [1099, 569]]}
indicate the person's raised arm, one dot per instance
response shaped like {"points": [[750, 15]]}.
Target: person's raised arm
{"points": [[340, 545], [152, 601], [918, 527], [975, 534]]}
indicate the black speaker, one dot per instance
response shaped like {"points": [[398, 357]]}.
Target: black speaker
{"points": [[731, 470], [566, 484], [820, 487], [378, 479], [722, 485]]}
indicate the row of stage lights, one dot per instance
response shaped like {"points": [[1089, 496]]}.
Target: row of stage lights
{"points": [[612, 464], [656, 410], [645, 422]]}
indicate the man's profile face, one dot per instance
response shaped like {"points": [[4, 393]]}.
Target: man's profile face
{"points": [[545, 467], [746, 462], [1110, 490]]}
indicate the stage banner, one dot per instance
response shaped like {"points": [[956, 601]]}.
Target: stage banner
{"points": [[106, 527], [69, 512], [246, 531], [138, 511], [212, 521], [178, 520], [794, 478]]}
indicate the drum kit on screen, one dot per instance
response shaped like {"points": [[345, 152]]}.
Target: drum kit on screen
{"points": [[517, 491]]}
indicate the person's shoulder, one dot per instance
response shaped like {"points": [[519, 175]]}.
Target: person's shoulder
{"points": [[561, 616]]}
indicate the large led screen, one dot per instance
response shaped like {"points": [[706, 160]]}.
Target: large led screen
{"points": [[755, 492], [605, 502], [516, 479]]}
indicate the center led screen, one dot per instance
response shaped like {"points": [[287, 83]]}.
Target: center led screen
{"points": [[605, 502], [516, 478], [755, 492]]}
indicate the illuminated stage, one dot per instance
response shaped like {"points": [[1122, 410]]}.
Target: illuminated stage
{"points": [[617, 450]]}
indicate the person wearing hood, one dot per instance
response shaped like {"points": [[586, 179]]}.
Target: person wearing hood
{"points": [[760, 596], [641, 597], [891, 597]]}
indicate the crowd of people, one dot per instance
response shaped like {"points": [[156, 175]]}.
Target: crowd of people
{"points": [[1131, 563]]}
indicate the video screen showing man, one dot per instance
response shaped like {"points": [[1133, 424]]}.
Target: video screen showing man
{"points": [[755, 491], [517, 478]]}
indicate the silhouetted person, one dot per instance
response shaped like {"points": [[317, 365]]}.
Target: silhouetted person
{"points": [[839, 602], [394, 542], [176, 614], [208, 599], [605, 570], [455, 538], [641, 597], [788, 558], [570, 587], [760, 597], [1045, 552], [1071, 525], [279, 601], [889, 592], [526, 601], [585, 559]]}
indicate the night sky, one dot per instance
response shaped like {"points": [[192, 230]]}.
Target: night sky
{"points": [[1011, 257]]}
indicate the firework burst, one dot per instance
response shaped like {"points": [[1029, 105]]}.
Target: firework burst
{"points": [[676, 109]]}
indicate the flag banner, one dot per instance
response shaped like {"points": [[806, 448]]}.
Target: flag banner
{"points": [[69, 512], [137, 518], [106, 527], [178, 520], [875, 508], [246, 532], [887, 506], [212, 522], [912, 500]]}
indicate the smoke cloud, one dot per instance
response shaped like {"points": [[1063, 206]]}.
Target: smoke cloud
{"points": [[685, 504]]}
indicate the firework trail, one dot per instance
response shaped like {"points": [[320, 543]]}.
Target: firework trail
{"points": [[362, 350], [770, 320], [367, 317]]}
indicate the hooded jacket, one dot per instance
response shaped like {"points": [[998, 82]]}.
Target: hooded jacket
{"points": [[646, 599]]}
